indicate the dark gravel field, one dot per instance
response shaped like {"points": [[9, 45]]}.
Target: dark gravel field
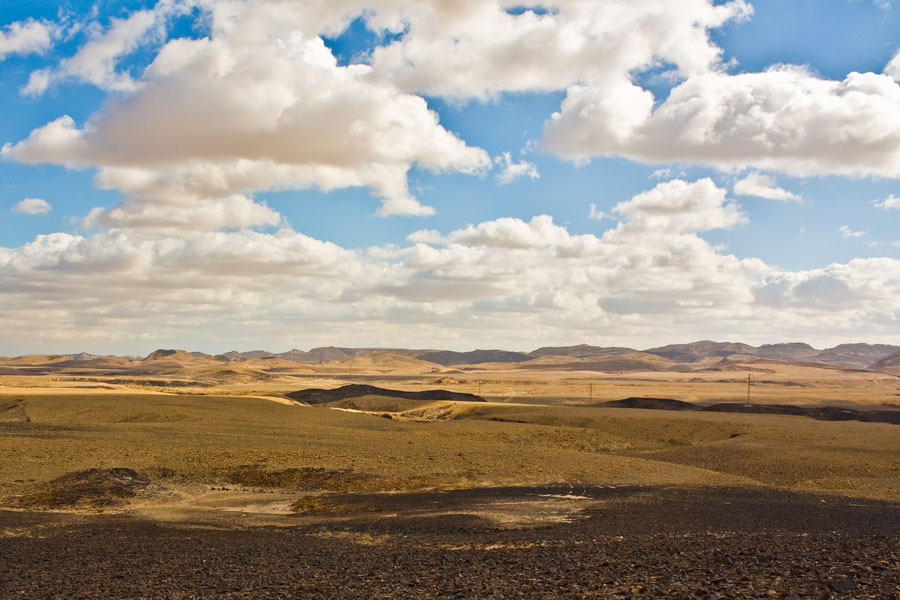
{"points": [[630, 543]]}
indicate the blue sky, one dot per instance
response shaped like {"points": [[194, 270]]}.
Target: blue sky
{"points": [[399, 135]]}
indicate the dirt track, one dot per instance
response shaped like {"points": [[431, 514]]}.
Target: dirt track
{"points": [[630, 542]]}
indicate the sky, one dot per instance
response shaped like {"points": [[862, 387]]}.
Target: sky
{"points": [[273, 174]]}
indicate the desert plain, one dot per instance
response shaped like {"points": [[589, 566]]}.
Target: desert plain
{"points": [[571, 472]]}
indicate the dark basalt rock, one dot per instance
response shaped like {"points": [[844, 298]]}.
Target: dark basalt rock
{"points": [[92, 488], [820, 413], [652, 404], [320, 396], [639, 543]]}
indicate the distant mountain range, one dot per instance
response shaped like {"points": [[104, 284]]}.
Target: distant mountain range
{"points": [[845, 355], [314, 356], [859, 356], [881, 357]]}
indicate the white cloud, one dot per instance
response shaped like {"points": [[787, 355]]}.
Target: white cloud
{"points": [[26, 37], [784, 119], [425, 236], [261, 105], [650, 277], [678, 205], [848, 233], [38, 82], [514, 170], [97, 60], [893, 67], [506, 232], [511, 233], [477, 49], [596, 214], [851, 292], [32, 206], [763, 186], [175, 215], [891, 202]]}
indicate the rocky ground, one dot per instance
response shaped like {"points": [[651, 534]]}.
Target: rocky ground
{"points": [[625, 543]]}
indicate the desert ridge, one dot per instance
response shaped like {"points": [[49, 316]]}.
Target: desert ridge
{"points": [[696, 354], [698, 372]]}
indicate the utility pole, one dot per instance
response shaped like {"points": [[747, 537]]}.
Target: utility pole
{"points": [[592, 391], [748, 388]]}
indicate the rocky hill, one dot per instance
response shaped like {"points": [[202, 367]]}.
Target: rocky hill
{"points": [[447, 358], [580, 351], [850, 356]]}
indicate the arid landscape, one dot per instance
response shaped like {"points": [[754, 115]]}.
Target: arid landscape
{"points": [[481, 299], [702, 470]]}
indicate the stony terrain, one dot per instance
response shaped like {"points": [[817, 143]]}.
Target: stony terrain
{"points": [[625, 543]]}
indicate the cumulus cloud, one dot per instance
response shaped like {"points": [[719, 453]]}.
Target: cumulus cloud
{"points": [[261, 104], [891, 202], [479, 49], [650, 271], [852, 292], [509, 232], [510, 170], [425, 236], [784, 119], [651, 275], [32, 206], [176, 216], [678, 205], [26, 37], [763, 186]]}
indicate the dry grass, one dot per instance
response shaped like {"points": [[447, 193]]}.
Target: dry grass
{"points": [[551, 379], [236, 433], [182, 443]]}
